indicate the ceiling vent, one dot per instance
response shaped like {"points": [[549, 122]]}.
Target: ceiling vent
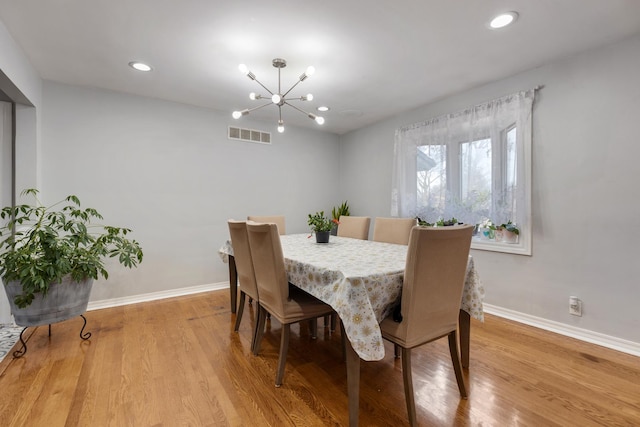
{"points": [[249, 135]]}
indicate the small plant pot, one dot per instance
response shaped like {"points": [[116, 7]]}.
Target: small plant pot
{"points": [[322, 236], [506, 236], [486, 233]]}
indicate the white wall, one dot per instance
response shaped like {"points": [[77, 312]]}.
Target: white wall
{"points": [[168, 171], [586, 208]]}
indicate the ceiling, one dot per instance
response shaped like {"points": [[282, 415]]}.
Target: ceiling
{"points": [[373, 59]]}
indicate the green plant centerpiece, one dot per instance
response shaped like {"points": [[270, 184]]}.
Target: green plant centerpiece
{"points": [[336, 213], [321, 226], [47, 245]]}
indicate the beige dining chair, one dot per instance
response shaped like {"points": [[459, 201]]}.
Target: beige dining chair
{"points": [[393, 230], [287, 304], [246, 275], [275, 219], [356, 227], [431, 294]]}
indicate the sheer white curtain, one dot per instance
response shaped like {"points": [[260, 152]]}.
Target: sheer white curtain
{"points": [[472, 165]]}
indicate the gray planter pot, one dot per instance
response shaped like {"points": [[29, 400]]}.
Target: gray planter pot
{"points": [[63, 301]]}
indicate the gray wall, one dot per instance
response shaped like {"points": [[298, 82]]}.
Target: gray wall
{"points": [[586, 208], [168, 171]]}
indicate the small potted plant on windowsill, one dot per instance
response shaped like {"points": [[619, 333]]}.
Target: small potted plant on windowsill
{"points": [[486, 230], [321, 226], [507, 233]]}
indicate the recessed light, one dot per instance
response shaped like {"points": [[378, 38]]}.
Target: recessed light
{"points": [[503, 20], [140, 66], [322, 108]]}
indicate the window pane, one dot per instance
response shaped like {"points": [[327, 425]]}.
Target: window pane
{"points": [[475, 177], [432, 178]]}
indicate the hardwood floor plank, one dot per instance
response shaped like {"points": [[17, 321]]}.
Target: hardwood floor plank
{"points": [[178, 362]]}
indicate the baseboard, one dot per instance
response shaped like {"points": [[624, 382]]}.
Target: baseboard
{"points": [[597, 338], [115, 302]]}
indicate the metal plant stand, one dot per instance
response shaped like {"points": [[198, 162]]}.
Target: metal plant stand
{"points": [[21, 352]]}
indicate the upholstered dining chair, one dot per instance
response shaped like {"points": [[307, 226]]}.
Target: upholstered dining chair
{"points": [[287, 304], [431, 294], [246, 274], [356, 227], [275, 219], [393, 230]]}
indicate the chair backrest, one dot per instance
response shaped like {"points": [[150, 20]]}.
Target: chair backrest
{"points": [[434, 277], [393, 230], [242, 256], [268, 263], [274, 219], [356, 227]]}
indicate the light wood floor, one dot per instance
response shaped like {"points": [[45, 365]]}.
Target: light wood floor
{"points": [[177, 362]]}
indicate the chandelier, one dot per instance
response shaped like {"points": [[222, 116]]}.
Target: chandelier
{"points": [[278, 98]]}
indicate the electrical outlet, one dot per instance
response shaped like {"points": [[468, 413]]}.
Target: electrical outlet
{"points": [[575, 306]]}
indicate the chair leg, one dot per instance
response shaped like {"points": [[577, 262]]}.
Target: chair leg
{"points": [[284, 347], [457, 366], [408, 385], [334, 318], [313, 323], [254, 335], [262, 316], [239, 311], [396, 351]]}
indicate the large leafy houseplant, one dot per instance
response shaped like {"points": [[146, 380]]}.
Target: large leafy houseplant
{"points": [[44, 244]]}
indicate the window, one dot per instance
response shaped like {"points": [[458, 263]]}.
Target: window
{"points": [[474, 165]]}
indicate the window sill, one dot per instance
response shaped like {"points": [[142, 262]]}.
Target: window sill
{"points": [[520, 248]]}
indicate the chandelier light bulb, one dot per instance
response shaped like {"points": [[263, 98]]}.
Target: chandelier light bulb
{"points": [[236, 114], [252, 96], [276, 98], [309, 97], [243, 69], [280, 126], [319, 120], [310, 70]]}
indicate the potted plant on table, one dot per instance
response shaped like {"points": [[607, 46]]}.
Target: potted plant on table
{"points": [[336, 213], [50, 256], [321, 226], [507, 233]]}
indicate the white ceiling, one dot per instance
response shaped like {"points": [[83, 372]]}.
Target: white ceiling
{"points": [[373, 59]]}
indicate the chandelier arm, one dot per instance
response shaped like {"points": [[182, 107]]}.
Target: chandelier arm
{"points": [[258, 107], [291, 88], [302, 111], [265, 88]]}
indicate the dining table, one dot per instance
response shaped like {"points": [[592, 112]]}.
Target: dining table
{"points": [[362, 281]]}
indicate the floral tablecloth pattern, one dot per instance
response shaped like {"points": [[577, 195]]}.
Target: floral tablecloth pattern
{"points": [[361, 280]]}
